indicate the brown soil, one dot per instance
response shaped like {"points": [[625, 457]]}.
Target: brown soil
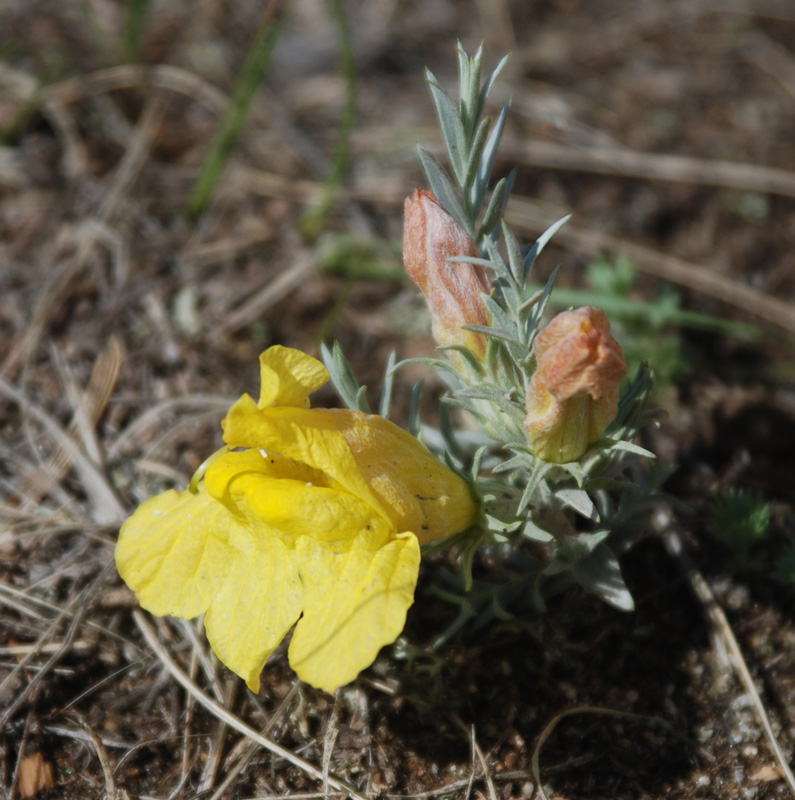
{"points": [[126, 329]]}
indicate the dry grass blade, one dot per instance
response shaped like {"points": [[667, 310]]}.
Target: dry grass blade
{"points": [[233, 772], [222, 714], [126, 76], [270, 294], [477, 751], [101, 383], [155, 414], [106, 508], [216, 742], [112, 792], [80, 606], [655, 166], [134, 158], [330, 737], [665, 525]]}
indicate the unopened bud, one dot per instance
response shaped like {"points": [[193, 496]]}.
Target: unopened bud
{"points": [[573, 395], [452, 290]]}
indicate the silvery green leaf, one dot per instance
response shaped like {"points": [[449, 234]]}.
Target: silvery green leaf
{"points": [[496, 333], [495, 209], [447, 429], [414, 422], [472, 185], [451, 125], [600, 574], [487, 159], [582, 545], [499, 266], [515, 259], [487, 86], [536, 534], [500, 526], [470, 85], [465, 353], [386, 389], [575, 469], [539, 245], [580, 501], [487, 263], [532, 493], [361, 400], [436, 363], [534, 318], [500, 319], [619, 445], [519, 461], [464, 71], [442, 186], [495, 427], [343, 378], [493, 394], [531, 301]]}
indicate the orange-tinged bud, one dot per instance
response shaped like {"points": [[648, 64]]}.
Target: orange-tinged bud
{"points": [[452, 290], [573, 395]]}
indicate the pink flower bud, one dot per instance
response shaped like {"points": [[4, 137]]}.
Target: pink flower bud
{"points": [[452, 290], [573, 395]]}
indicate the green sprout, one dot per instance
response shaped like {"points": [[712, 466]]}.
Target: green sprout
{"points": [[740, 520]]}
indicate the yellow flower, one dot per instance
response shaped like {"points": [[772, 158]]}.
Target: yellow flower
{"points": [[573, 394], [452, 289], [321, 518]]}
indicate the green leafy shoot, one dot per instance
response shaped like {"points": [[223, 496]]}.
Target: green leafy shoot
{"points": [[740, 519]]}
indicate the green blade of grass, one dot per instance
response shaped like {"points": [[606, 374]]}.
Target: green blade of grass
{"points": [[252, 73], [313, 220], [134, 27]]}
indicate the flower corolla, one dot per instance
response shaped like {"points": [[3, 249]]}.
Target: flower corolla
{"points": [[317, 524], [452, 289], [573, 394]]}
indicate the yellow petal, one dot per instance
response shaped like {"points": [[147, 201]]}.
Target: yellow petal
{"points": [[288, 377], [420, 493], [354, 604], [257, 605], [173, 552]]}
